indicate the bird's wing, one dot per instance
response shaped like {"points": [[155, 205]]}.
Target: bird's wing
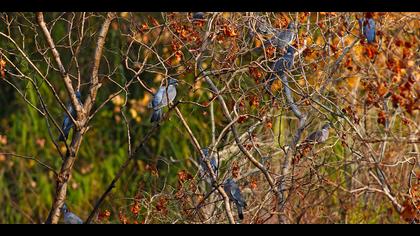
{"points": [[157, 98], [236, 193], [279, 65], [214, 165], [202, 168], [361, 24], [171, 94], [285, 36], [313, 137], [370, 29], [67, 123], [324, 135], [228, 189], [203, 165], [71, 218], [371, 24], [289, 61], [73, 112]]}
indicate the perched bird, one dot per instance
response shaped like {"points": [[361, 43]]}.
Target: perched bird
{"points": [[70, 217], [263, 27], [204, 170], [319, 136], [162, 98], [234, 193], [67, 122], [281, 65], [256, 27], [367, 28], [282, 38], [198, 15]]}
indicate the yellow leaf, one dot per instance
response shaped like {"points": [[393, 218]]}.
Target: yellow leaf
{"points": [[276, 86], [133, 113], [124, 15], [352, 82]]}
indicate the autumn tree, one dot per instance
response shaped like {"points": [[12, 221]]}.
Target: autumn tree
{"points": [[237, 97]]}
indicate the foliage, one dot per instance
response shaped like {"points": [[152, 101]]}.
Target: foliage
{"points": [[370, 92]]}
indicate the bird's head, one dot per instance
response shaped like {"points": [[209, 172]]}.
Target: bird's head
{"points": [[198, 15], [172, 81], [64, 208], [205, 151], [262, 27], [291, 50], [327, 125], [371, 22], [291, 25], [229, 181]]}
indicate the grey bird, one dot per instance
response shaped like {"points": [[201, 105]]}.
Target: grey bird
{"points": [[162, 98], [70, 217], [367, 28], [282, 38], [234, 193], [319, 136], [283, 64], [205, 173], [252, 32], [67, 122], [262, 27], [258, 26]]}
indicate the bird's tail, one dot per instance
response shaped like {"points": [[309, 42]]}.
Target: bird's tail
{"points": [[63, 138], [156, 116], [240, 212]]}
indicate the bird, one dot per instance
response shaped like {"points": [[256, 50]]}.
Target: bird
{"points": [[67, 122], [282, 38], [367, 28], [234, 193], [70, 217], [319, 136], [198, 15], [262, 27], [162, 98], [281, 65], [204, 170]]}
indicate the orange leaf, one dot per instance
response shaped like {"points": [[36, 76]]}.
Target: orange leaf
{"points": [[2, 67], [382, 118], [161, 205], [242, 119], [253, 184], [153, 20], [410, 212], [183, 176], [235, 169], [382, 89], [2, 63]]}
